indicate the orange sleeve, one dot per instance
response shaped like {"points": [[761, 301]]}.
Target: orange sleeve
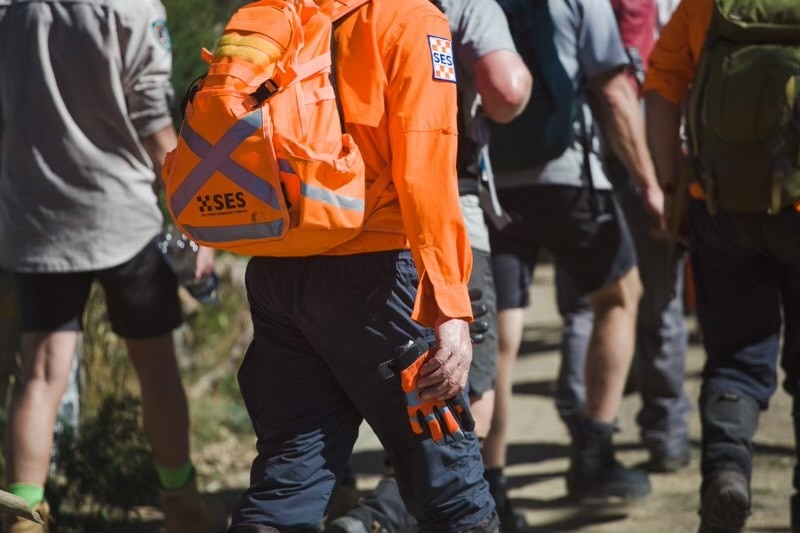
{"points": [[421, 112], [672, 63]]}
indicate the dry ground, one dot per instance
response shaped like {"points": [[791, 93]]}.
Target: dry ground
{"points": [[539, 450], [538, 453]]}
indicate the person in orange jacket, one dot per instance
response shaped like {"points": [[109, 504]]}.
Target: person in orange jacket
{"points": [[746, 263], [493, 83], [325, 324]]}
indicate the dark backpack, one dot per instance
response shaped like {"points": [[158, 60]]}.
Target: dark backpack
{"points": [[545, 129], [743, 116]]}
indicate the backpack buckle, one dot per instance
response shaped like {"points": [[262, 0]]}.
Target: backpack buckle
{"points": [[264, 92]]}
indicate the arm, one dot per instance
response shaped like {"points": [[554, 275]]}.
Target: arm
{"points": [[422, 122], [616, 108], [158, 144], [504, 83], [663, 134]]}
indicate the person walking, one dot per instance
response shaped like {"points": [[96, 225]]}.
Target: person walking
{"points": [[734, 65], [84, 93], [661, 334], [376, 327], [492, 82], [562, 200]]}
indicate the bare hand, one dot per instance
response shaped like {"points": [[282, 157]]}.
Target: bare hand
{"points": [[204, 263], [653, 198], [444, 374], [677, 231]]}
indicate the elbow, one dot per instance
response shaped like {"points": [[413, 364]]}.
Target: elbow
{"points": [[511, 99]]}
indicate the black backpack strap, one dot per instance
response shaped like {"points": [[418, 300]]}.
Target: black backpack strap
{"points": [[585, 135]]}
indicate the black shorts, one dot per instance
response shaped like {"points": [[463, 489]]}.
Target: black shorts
{"points": [[595, 250], [141, 296], [482, 372]]}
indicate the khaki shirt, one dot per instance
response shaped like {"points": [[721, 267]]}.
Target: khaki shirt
{"points": [[81, 81]]}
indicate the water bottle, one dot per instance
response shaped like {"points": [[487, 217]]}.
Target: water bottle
{"points": [[180, 253]]}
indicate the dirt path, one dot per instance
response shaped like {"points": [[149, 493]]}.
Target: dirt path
{"points": [[538, 454], [539, 450]]}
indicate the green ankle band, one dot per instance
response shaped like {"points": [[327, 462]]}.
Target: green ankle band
{"points": [[33, 494], [175, 478]]}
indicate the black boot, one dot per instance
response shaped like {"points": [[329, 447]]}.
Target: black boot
{"points": [[511, 521], [251, 528], [594, 472], [726, 502], [380, 511], [345, 495], [729, 424]]}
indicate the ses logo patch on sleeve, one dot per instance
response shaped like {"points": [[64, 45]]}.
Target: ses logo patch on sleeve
{"points": [[444, 67]]}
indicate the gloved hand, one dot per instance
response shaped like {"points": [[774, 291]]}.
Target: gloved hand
{"points": [[437, 419], [477, 327]]}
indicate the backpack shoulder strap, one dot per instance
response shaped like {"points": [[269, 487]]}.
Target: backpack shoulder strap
{"points": [[342, 8]]}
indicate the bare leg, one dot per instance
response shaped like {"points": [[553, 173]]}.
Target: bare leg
{"points": [[47, 361], [164, 410], [611, 345], [509, 338], [482, 408]]}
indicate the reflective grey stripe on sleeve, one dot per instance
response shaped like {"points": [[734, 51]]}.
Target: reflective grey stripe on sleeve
{"points": [[326, 196], [262, 230]]}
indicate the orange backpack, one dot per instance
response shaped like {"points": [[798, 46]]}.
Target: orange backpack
{"points": [[262, 166]]}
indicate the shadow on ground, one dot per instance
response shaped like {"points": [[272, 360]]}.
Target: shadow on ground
{"points": [[578, 516]]}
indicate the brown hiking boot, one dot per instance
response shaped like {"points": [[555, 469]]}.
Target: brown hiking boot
{"points": [[13, 524], [186, 511]]}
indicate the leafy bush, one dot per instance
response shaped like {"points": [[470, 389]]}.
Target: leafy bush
{"points": [[194, 25], [106, 469]]}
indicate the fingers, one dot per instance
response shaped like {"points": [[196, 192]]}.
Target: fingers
{"points": [[475, 294], [478, 310], [432, 426], [204, 262], [442, 425], [459, 405], [476, 330], [444, 375]]}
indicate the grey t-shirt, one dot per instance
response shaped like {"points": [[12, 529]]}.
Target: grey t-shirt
{"points": [[478, 27], [588, 45], [81, 82]]}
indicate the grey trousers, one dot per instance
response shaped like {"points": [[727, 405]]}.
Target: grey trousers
{"points": [[661, 338]]}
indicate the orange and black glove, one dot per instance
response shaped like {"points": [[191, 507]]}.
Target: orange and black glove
{"points": [[442, 421]]}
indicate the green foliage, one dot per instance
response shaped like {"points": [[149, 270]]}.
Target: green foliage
{"points": [[106, 468], [194, 25]]}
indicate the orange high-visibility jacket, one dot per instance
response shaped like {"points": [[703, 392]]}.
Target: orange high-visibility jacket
{"points": [[401, 115], [674, 58]]}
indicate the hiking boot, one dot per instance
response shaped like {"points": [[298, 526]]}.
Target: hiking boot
{"points": [[251, 528], [345, 496], [380, 511], [186, 511], [511, 521], [13, 524], [595, 473], [726, 503], [667, 463]]}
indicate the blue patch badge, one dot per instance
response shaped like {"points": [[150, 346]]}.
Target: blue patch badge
{"points": [[444, 67], [161, 33]]}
